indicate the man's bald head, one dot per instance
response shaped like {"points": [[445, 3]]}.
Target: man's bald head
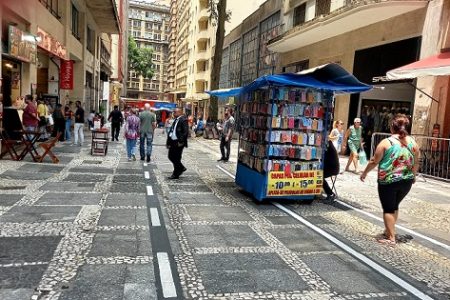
{"points": [[147, 106]]}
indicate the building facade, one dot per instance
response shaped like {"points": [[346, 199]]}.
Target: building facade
{"points": [[149, 24], [366, 38], [56, 50], [192, 43]]}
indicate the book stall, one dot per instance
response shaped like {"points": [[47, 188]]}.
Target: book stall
{"points": [[283, 124]]}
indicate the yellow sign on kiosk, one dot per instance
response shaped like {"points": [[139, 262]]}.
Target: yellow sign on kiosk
{"points": [[298, 183]]}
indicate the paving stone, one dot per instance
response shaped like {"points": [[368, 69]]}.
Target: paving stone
{"points": [[123, 217], [214, 213], [347, 275], [90, 170], [16, 294], [138, 170], [9, 199], [130, 178], [12, 187], [92, 162], [68, 187], [63, 160], [27, 249], [25, 175], [196, 199], [21, 277], [97, 282], [85, 178], [302, 240], [140, 274], [189, 188], [128, 187], [282, 220], [40, 168], [121, 243], [32, 214], [126, 200], [133, 291], [232, 273], [67, 149], [69, 199], [222, 236]]}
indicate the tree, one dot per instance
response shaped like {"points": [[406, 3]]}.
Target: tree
{"points": [[219, 15], [140, 59]]}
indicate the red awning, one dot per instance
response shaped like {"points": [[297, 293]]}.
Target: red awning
{"points": [[438, 65]]}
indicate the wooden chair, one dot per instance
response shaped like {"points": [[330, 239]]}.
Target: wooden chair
{"points": [[47, 147]]}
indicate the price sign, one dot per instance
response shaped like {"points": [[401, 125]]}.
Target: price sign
{"points": [[299, 183]]}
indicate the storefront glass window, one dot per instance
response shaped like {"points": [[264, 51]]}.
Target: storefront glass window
{"points": [[269, 29], [223, 84], [235, 64], [250, 56]]}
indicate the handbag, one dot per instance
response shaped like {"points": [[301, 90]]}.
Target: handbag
{"points": [[362, 157]]}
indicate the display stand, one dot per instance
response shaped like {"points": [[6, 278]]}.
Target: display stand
{"points": [[100, 141], [283, 121], [283, 141]]}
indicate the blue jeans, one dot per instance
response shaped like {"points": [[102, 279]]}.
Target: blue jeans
{"points": [[130, 147], [149, 137], [67, 130]]}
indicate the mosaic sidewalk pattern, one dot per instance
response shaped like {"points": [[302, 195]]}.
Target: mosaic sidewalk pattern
{"points": [[68, 232], [229, 247]]}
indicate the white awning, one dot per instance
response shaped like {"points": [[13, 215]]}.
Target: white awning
{"points": [[438, 65]]}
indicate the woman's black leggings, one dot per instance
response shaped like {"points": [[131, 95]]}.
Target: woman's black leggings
{"points": [[392, 194]]}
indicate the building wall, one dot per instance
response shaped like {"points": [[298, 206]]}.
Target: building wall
{"points": [[341, 49], [141, 16]]}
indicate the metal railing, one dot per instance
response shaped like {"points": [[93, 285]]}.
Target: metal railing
{"points": [[434, 158]]}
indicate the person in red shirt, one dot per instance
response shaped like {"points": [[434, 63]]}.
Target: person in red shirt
{"points": [[30, 117]]}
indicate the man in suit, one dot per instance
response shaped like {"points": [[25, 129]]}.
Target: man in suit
{"points": [[176, 141]]}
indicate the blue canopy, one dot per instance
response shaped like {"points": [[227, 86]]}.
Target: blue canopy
{"points": [[329, 77]]}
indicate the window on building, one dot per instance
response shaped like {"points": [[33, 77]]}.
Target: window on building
{"points": [[223, 84], [136, 33], [137, 23], [90, 40], [235, 64], [323, 7], [52, 6], [250, 56], [269, 30], [75, 22], [299, 15]]}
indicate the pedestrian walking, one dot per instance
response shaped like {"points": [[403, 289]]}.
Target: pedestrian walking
{"points": [[59, 122], [68, 114], [116, 119], [147, 129], [90, 119], [330, 168], [78, 130], [353, 138], [30, 117], [42, 114], [131, 134], [397, 158], [177, 139], [226, 135], [168, 123], [336, 135]]}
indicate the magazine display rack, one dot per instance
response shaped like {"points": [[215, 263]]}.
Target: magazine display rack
{"points": [[283, 137]]}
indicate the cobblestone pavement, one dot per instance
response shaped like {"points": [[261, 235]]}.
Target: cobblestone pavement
{"points": [[80, 230]]}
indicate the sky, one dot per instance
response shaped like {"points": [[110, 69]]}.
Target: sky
{"points": [[240, 9]]}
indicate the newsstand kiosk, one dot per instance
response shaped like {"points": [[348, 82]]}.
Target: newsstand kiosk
{"points": [[283, 122]]}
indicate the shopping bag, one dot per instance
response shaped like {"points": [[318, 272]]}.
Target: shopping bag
{"points": [[50, 121], [362, 157]]}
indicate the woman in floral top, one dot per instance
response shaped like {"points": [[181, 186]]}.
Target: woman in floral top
{"points": [[131, 133], [397, 158]]}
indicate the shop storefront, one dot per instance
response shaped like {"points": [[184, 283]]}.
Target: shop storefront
{"points": [[378, 106]]}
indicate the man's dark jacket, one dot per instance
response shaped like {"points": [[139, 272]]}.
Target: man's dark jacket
{"points": [[116, 117], [182, 132]]}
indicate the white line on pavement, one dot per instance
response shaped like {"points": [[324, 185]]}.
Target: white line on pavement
{"points": [[145, 164], [165, 273], [147, 175], [149, 190], [361, 257], [410, 231], [154, 217]]}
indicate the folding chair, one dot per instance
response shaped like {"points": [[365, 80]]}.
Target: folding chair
{"points": [[333, 187], [47, 146]]}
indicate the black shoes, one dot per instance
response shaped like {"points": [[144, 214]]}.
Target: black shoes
{"points": [[142, 158], [222, 159], [148, 158], [173, 176], [182, 171]]}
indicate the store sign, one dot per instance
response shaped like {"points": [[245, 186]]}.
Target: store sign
{"points": [[50, 44], [22, 45], [298, 183], [66, 75]]}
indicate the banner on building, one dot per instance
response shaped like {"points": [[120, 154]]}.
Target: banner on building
{"points": [[22, 45], [105, 95], [66, 75]]}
